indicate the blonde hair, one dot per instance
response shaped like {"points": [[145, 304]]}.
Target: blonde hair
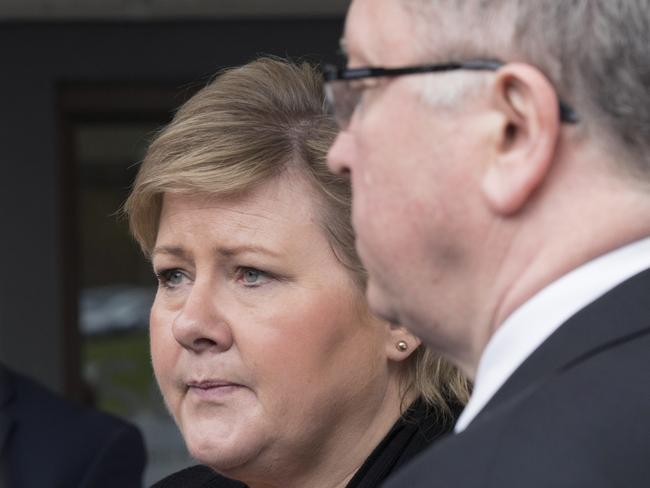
{"points": [[251, 124]]}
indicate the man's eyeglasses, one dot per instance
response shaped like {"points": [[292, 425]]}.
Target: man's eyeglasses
{"points": [[342, 95]]}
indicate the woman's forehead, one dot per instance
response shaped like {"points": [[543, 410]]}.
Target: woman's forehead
{"points": [[274, 217]]}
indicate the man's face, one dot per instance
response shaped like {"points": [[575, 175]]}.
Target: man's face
{"points": [[414, 171]]}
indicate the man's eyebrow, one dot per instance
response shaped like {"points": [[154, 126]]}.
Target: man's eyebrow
{"points": [[343, 49]]}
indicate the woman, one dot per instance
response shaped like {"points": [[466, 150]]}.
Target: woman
{"points": [[262, 343]]}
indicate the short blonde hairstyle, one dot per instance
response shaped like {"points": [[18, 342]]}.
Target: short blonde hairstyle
{"points": [[251, 124]]}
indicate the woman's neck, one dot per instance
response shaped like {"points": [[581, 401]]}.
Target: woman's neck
{"points": [[335, 462]]}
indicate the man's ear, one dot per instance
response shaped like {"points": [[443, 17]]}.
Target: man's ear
{"points": [[400, 343], [526, 138]]}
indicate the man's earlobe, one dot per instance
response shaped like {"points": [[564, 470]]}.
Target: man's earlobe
{"points": [[526, 137]]}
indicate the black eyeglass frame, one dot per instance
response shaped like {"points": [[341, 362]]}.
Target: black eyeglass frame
{"points": [[334, 73]]}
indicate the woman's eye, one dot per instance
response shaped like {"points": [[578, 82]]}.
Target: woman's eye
{"points": [[252, 277], [170, 278]]}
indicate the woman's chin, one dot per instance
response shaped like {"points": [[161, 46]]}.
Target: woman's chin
{"points": [[227, 456]]}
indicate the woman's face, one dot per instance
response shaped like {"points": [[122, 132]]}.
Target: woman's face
{"points": [[262, 345]]}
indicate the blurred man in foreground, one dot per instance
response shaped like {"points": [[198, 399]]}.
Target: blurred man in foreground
{"points": [[47, 442], [499, 153]]}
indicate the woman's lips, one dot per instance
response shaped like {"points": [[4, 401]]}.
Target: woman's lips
{"points": [[212, 390]]}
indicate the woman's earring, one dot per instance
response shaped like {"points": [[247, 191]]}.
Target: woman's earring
{"points": [[402, 346]]}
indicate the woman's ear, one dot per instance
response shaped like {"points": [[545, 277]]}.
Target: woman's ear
{"points": [[400, 343], [524, 145]]}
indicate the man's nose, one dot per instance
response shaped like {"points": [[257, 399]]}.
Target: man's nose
{"points": [[340, 157]]}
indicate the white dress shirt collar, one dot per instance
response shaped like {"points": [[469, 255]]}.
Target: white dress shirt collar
{"points": [[533, 322]]}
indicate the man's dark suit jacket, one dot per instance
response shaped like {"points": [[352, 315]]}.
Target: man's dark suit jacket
{"points": [[47, 442], [575, 414]]}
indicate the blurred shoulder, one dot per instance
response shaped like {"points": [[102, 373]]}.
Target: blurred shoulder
{"points": [[197, 477], [39, 405], [82, 446]]}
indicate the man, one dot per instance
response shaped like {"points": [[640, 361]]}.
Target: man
{"points": [[502, 206], [44, 441]]}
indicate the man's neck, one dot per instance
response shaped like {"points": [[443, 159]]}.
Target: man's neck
{"points": [[573, 222], [531, 324]]}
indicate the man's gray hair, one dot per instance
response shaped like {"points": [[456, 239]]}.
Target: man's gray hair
{"points": [[595, 52]]}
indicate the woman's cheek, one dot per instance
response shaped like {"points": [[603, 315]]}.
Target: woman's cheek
{"points": [[164, 353]]}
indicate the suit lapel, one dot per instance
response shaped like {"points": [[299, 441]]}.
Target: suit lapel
{"points": [[618, 315]]}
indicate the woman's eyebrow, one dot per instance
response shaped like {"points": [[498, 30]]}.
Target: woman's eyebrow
{"points": [[224, 251], [230, 251], [175, 251]]}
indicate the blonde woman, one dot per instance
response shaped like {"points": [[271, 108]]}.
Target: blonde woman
{"points": [[262, 342]]}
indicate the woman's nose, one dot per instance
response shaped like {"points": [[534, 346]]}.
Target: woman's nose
{"points": [[199, 326]]}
